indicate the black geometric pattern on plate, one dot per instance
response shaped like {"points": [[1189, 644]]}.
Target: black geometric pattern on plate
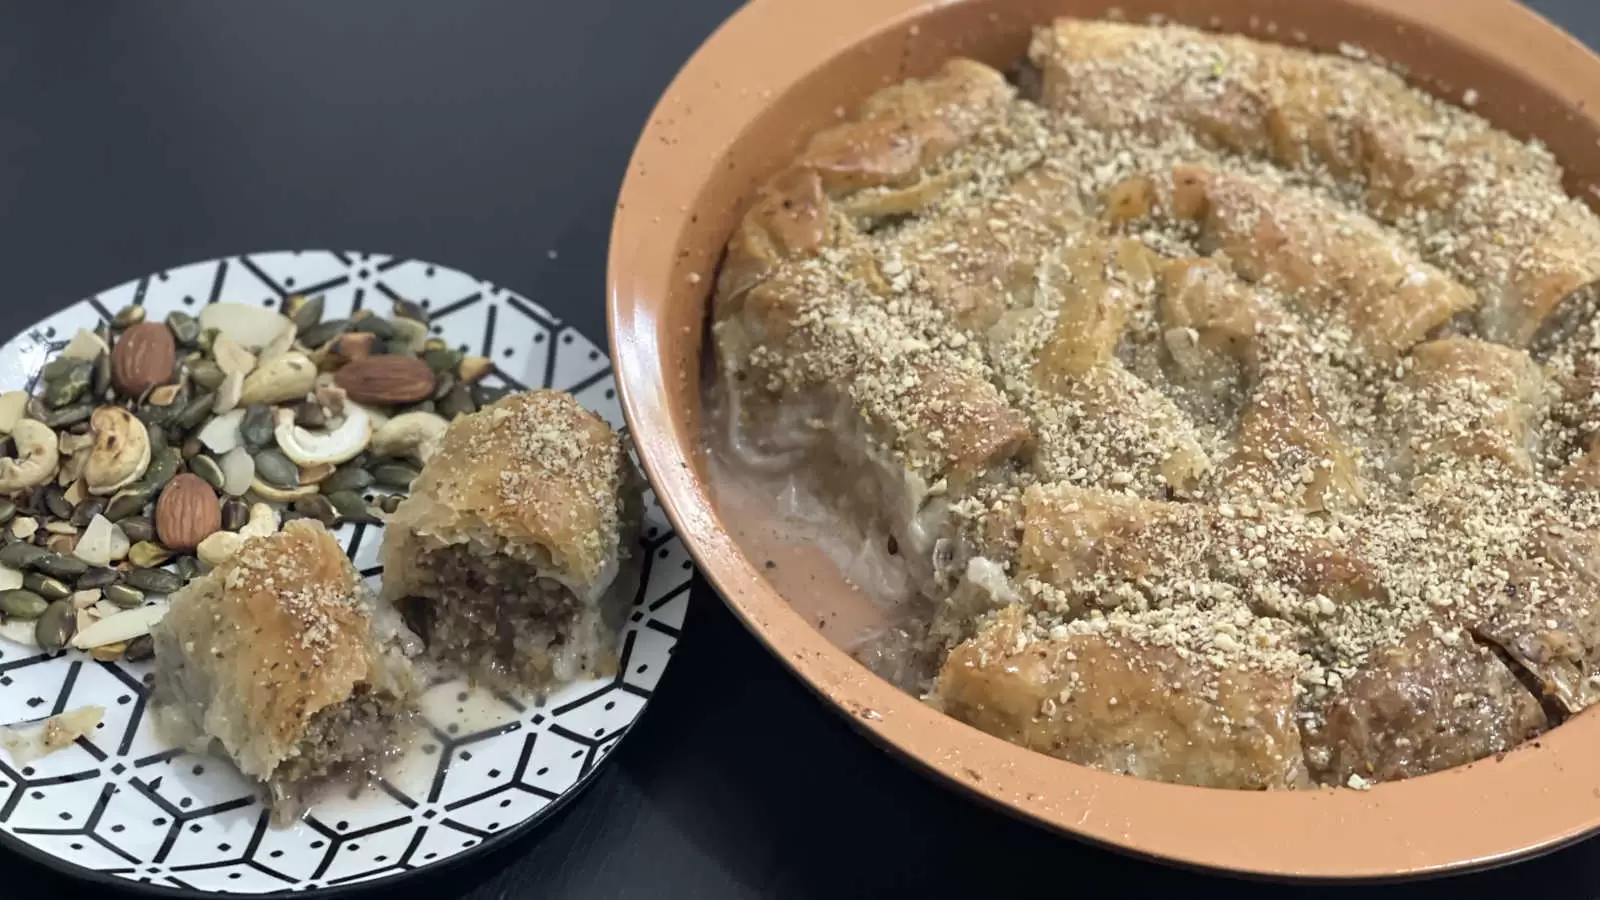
{"points": [[123, 804]]}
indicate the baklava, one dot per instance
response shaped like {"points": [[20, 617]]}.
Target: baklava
{"points": [[517, 551], [280, 656], [1231, 407]]}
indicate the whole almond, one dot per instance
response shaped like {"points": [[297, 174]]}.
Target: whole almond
{"points": [[142, 358], [387, 380], [187, 512]]}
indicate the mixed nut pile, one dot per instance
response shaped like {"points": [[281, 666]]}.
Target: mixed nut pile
{"points": [[150, 450]]}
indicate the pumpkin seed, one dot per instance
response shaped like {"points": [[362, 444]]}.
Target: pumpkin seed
{"points": [[378, 326], [197, 412], [208, 339], [255, 429], [406, 309], [443, 385], [130, 501], [21, 604], [317, 506], [87, 510], [140, 649], [58, 368], [21, 556], [305, 312], [56, 626], [389, 503], [435, 343], [100, 383], [323, 332], [351, 507], [55, 500], [68, 416], [208, 470], [148, 554], [163, 466], [276, 469], [187, 567], [128, 316], [458, 402], [154, 581], [123, 595], [191, 448], [426, 406], [347, 477], [207, 374], [70, 385], [442, 360], [45, 586], [483, 394], [96, 577], [161, 414], [68, 567], [394, 474], [310, 415], [235, 513], [7, 510], [137, 528], [184, 327]]}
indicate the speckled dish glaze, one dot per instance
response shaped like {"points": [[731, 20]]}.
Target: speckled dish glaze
{"points": [[744, 104]]}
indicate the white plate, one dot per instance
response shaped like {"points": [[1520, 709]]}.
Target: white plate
{"points": [[120, 803]]}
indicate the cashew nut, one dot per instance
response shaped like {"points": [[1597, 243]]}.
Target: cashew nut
{"points": [[85, 344], [13, 406], [308, 448], [218, 547], [280, 379], [263, 522], [121, 450], [413, 434], [36, 460]]}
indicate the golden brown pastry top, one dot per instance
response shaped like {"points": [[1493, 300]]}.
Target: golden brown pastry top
{"points": [[532, 470], [279, 632]]}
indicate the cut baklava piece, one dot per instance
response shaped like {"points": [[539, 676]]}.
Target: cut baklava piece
{"points": [[1466, 400], [1545, 614], [1191, 696], [1435, 700], [517, 551], [280, 657]]}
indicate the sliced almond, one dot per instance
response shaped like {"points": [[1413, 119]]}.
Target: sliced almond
{"points": [[253, 327], [13, 405], [221, 435], [232, 358], [124, 626], [85, 344]]}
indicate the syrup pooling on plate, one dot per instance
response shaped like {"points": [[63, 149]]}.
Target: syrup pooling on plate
{"points": [[1225, 405]]}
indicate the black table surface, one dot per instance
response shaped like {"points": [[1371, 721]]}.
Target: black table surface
{"points": [[482, 134]]}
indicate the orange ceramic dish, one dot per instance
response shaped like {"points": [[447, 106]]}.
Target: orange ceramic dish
{"points": [[780, 71]]}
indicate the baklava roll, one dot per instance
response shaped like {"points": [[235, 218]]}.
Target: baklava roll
{"points": [[517, 552], [280, 657], [899, 133], [1512, 234], [1337, 269], [1466, 400], [1186, 696]]}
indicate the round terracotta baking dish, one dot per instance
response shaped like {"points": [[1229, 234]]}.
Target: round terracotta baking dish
{"points": [[742, 106]]}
